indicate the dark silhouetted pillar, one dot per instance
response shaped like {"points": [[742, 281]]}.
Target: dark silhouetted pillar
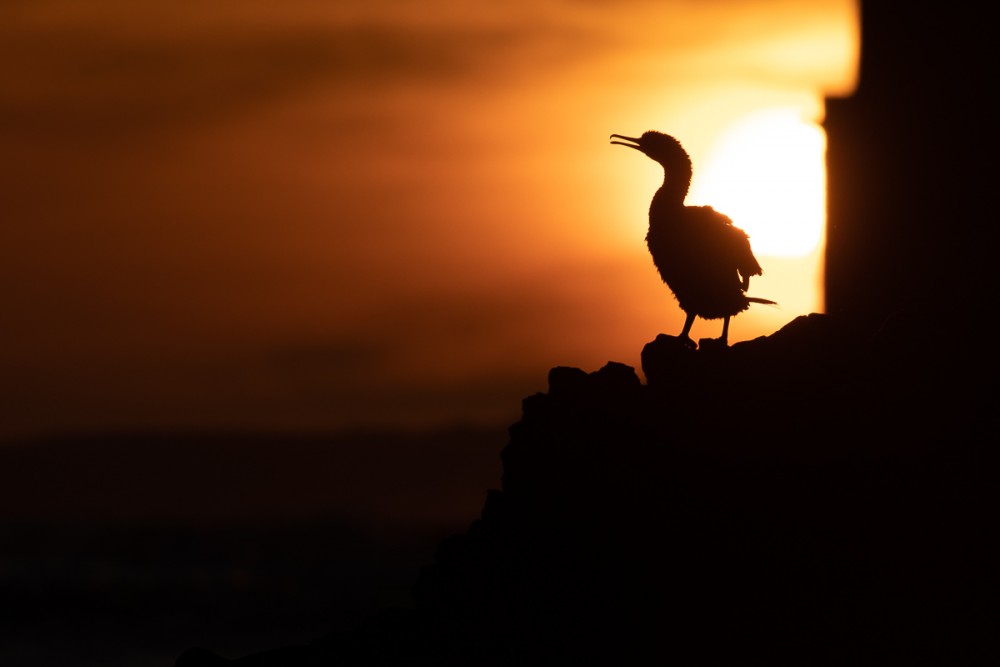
{"points": [[911, 161]]}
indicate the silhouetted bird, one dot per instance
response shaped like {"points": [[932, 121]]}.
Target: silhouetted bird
{"points": [[704, 259]]}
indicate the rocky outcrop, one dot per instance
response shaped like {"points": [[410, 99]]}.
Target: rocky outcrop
{"points": [[812, 497]]}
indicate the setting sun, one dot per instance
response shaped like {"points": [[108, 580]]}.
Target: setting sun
{"points": [[309, 219], [767, 174]]}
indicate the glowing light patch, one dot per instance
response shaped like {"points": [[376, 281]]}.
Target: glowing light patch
{"points": [[767, 173]]}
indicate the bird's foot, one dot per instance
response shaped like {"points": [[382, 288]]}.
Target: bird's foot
{"points": [[713, 344], [681, 341]]}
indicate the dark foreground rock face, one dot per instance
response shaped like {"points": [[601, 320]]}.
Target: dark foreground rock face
{"points": [[813, 497]]}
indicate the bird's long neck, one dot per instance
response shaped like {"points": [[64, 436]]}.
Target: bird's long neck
{"points": [[676, 181]]}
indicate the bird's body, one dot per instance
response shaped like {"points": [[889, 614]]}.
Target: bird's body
{"points": [[704, 259]]}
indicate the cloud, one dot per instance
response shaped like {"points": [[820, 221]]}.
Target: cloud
{"points": [[117, 73], [119, 69]]}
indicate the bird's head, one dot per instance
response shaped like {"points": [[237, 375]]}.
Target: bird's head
{"points": [[660, 147]]}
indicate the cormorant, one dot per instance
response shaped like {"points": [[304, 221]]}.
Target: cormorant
{"points": [[704, 259]]}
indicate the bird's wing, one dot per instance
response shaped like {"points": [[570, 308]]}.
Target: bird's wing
{"points": [[724, 247], [746, 263]]}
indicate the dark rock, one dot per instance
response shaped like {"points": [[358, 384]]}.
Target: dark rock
{"points": [[566, 380], [200, 657], [795, 499]]}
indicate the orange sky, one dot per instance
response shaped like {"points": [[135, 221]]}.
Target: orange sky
{"points": [[302, 216]]}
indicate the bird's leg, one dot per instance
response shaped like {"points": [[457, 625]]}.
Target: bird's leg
{"points": [[724, 339], [685, 336]]}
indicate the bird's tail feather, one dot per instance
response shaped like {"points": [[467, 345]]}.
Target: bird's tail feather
{"points": [[754, 299]]}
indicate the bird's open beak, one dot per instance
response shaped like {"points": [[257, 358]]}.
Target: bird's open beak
{"points": [[634, 144]]}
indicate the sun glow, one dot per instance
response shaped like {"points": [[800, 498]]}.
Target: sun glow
{"points": [[767, 173]]}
